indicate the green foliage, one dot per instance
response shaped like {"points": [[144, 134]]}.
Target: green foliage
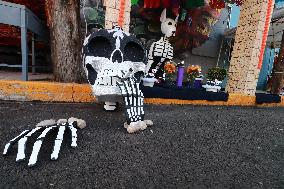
{"points": [[96, 15], [216, 73]]}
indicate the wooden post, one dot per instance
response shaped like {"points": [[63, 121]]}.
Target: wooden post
{"points": [[277, 74]]}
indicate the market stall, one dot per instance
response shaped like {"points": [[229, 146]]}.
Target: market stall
{"points": [[18, 27]]}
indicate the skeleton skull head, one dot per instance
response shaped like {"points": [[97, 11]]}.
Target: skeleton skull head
{"points": [[168, 25], [110, 56]]}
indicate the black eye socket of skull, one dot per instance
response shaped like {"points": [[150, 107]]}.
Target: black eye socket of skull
{"points": [[100, 47], [92, 74], [133, 52], [170, 23]]}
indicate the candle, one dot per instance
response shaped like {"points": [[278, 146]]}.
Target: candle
{"points": [[180, 74]]}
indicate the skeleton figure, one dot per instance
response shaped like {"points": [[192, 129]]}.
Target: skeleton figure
{"points": [[114, 64], [161, 50]]}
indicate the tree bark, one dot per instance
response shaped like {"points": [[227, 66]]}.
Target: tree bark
{"points": [[65, 40], [277, 75]]}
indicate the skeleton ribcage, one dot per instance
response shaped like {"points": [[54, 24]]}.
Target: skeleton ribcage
{"points": [[159, 52]]}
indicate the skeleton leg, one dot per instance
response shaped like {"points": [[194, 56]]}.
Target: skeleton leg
{"points": [[37, 146], [58, 142]]}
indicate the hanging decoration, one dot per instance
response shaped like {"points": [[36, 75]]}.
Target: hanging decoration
{"points": [[220, 4], [189, 4], [217, 4], [134, 2], [239, 2], [152, 4]]}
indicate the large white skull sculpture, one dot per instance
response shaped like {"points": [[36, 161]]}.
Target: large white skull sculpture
{"points": [[115, 63], [109, 56]]}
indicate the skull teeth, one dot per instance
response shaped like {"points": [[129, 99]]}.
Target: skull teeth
{"points": [[107, 81]]}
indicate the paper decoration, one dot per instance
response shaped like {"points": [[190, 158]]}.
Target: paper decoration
{"points": [[194, 3]]}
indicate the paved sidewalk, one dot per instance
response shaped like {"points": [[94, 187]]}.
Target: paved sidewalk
{"points": [[188, 147], [17, 76]]}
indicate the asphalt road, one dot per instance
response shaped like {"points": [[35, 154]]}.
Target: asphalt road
{"points": [[188, 147]]}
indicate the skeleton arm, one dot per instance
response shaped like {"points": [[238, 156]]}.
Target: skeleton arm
{"points": [[44, 128], [150, 59]]}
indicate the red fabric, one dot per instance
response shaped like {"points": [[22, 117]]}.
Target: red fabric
{"points": [[166, 3], [152, 3], [170, 4]]}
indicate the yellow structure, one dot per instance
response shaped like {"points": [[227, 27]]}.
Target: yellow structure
{"points": [[249, 46], [72, 92]]}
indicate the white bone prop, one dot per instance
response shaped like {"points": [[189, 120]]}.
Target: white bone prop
{"points": [[22, 144], [37, 146], [44, 127], [134, 127], [44, 123], [73, 134], [110, 106], [80, 122], [58, 142], [11, 142]]}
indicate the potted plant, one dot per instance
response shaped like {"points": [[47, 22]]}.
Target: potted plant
{"points": [[215, 76], [192, 72], [169, 70]]}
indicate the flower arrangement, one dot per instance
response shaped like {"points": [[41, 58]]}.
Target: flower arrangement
{"points": [[170, 70], [192, 72]]}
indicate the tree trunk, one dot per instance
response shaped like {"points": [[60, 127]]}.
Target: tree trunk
{"points": [[65, 40], [277, 75]]}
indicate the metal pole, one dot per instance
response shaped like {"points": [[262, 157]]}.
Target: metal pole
{"points": [[33, 54], [24, 46], [219, 55]]}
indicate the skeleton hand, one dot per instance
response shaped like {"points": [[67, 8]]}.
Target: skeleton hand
{"points": [[134, 101], [45, 127]]}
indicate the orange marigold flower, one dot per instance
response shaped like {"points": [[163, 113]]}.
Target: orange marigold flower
{"points": [[170, 68]]}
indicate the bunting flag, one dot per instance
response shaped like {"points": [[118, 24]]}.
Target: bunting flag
{"points": [[134, 2], [217, 4], [152, 3], [194, 4]]}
